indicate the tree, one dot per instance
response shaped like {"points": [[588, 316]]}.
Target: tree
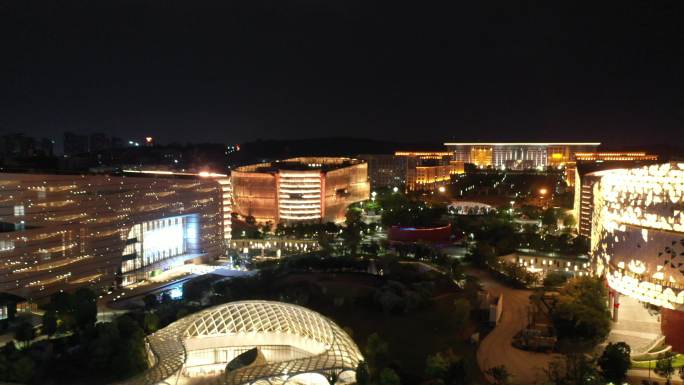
{"points": [[569, 220], [665, 367], [325, 242], [151, 302], [580, 314], [351, 234], [615, 361], [499, 374], [481, 255], [250, 220], [24, 332], [447, 368], [550, 218], [461, 312], [85, 307], [362, 374], [555, 278], [151, 322], [388, 377], [377, 353], [23, 369], [267, 227], [49, 323], [577, 369]]}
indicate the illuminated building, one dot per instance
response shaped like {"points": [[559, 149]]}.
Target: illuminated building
{"points": [[61, 231], [518, 156], [586, 172], [637, 240], [545, 263], [262, 342], [606, 160], [385, 170], [313, 189], [427, 170]]}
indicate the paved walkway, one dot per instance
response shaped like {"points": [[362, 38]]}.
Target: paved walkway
{"points": [[496, 349], [636, 326]]}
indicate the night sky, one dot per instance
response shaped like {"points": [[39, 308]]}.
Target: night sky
{"points": [[237, 71]]}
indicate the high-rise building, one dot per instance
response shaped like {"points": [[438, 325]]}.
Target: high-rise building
{"points": [[518, 156], [307, 189], [61, 231]]}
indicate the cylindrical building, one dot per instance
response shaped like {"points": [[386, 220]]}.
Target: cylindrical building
{"points": [[638, 239], [311, 189]]}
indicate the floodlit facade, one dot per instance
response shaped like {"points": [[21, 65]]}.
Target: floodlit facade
{"points": [[604, 161], [637, 239], [294, 345], [518, 156], [427, 170], [61, 231], [307, 189]]}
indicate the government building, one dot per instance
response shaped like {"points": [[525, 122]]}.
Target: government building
{"points": [[306, 189], [61, 231], [518, 156]]}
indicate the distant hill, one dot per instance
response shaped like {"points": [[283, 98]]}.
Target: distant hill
{"points": [[266, 150]]}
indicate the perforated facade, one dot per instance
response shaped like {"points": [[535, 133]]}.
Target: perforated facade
{"points": [[61, 231]]}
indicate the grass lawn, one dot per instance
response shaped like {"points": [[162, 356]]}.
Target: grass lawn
{"points": [[678, 362]]}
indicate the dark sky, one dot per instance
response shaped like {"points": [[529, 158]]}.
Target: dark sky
{"points": [[235, 71]]}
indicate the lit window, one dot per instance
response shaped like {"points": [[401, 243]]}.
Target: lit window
{"points": [[19, 211]]}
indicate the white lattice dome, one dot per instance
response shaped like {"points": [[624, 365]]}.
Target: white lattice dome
{"points": [[298, 344]]}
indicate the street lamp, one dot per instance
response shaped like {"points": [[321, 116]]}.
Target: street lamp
{"points": [[442, 189], [543, 191], [373, 194], [395, 189]]}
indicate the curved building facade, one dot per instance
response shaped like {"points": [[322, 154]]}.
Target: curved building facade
{"points": [[291, 345], [58, 232], [299, 189], [638, 239]]}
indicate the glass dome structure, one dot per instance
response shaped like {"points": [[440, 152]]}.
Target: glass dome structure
{"points": [[296, 346]]}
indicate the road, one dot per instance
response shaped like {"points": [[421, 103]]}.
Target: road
{"points": [[496, 349]]}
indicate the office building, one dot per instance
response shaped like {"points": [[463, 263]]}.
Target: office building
{"points": [[385, 170], [61, 231], [427, 170], [307, 189], [637, 240], [518, 156]]}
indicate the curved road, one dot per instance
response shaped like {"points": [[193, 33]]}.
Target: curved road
{"points": [[496, 349]]}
